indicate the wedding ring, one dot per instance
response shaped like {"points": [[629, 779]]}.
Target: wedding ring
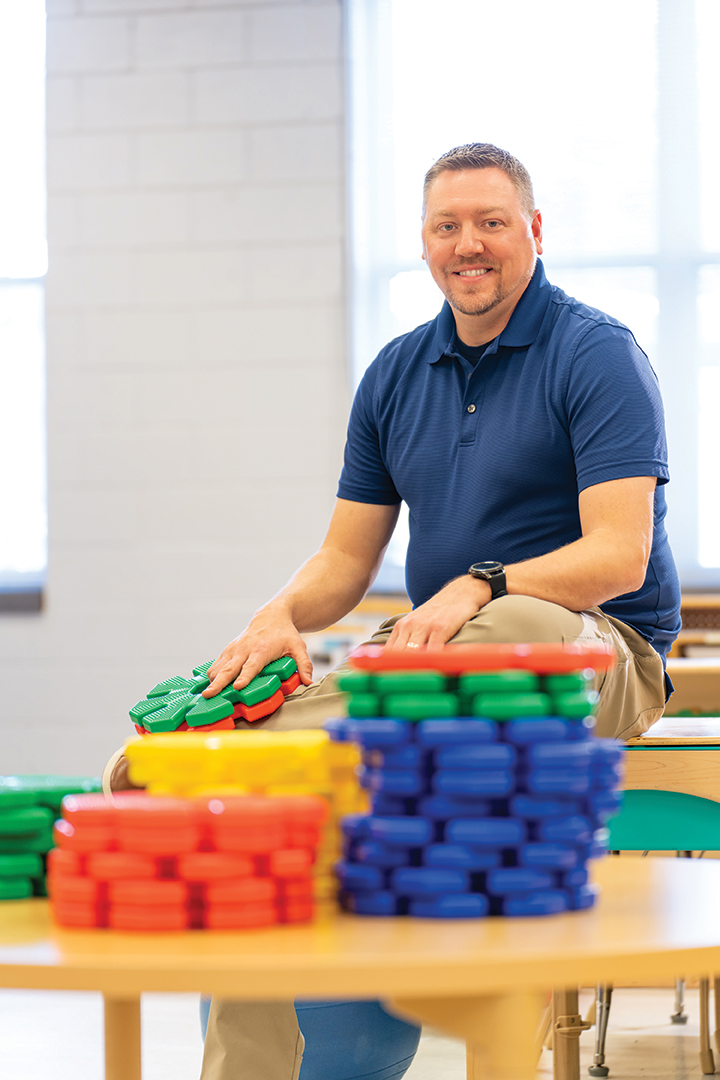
{"points": [[412, 645]]}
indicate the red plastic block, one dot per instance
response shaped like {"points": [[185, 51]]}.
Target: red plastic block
{"points": [[214, 866], [76, 914], [153, 841], [130, 893], [66, 889], [114, 865], [261, 710], [127, 917], [297, 911], [226, 724], [239, 916], [290, 684], [291, 863], [254, 890], [83, 840], [247, 823], [546, 658], [63, 861], [297, 889]]}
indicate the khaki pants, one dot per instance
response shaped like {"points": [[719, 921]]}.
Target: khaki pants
{"points": [[263, 1041]]}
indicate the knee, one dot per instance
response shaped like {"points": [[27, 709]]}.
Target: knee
{"points": [[521, 618]]}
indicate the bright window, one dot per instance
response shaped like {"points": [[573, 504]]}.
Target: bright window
{"points": [[614, 108], [23, 263]]}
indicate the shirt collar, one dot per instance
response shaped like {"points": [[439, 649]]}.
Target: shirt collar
{"points": [[521, 330]]}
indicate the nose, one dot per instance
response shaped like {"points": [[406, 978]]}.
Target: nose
{"points": [[469, 241]]}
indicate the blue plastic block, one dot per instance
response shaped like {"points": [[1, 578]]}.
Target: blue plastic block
{"points": [[550, 856], [403, 782], [378, 903], [461, 857], [573, 879], [401, 831], [460, 730], [338, 728], [488, 783], [444, 807], [557, 782], [409, 756], [360, 877], [385, 855], [567, 755], [568, 830], [602, 805], [452, 906], [606, 779], [547, 729], [507, 880], [535, 807], [355, 826], [428, 881], [608, 751], [583, 897], [380, 732], [549, 902], [384, 805], [468, 756], [488, 832]]}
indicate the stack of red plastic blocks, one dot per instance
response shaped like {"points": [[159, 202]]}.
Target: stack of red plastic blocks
{"points": [[150, 863]]}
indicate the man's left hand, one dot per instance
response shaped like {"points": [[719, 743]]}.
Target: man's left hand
{"points": [[440, 617]]}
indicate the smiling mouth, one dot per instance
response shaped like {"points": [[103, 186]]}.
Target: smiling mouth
{"points": [[473, 273]]}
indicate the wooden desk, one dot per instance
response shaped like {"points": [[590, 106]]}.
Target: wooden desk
{"points": [[677, 754], [484, 980]]}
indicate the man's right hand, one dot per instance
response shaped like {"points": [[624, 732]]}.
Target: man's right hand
{"points": [[269, 635]]}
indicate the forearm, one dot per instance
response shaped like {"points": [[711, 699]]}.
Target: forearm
{"points": [[581, 575], [325, 588]]}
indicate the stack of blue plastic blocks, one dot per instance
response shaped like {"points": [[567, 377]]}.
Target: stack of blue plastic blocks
{"points": [[489, 792]]}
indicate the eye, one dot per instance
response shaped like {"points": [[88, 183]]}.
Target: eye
{"points": [[446, 227], [493, 224]]}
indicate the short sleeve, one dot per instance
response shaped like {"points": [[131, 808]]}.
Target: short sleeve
{"points": [[614, 408], [364, 477]]}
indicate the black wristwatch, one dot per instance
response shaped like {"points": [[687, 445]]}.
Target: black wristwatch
{"points": [[494, 574]]}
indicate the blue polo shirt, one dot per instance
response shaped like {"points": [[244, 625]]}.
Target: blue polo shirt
{"points": [[491, 459]]}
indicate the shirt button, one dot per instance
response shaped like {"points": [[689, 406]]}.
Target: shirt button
{"points": [[471, 408]]}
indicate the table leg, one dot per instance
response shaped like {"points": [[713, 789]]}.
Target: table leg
{"points": [[568, 1025], [122, 1038], [502, 1031]]}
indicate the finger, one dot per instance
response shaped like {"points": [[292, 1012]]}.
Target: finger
{"points": [[304, 665], [224, 675]]}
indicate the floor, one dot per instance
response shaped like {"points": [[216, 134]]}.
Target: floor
{"points": [[46, 1035]]}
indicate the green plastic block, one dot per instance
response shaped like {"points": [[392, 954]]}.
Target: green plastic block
{"points": [[20, 866], [39, 886], [572, 683], [575, 705], [168, 686], [48, 789], [420, 706], [410, 682], [27, 820], [12, 799], [509, 706], [37, 842], [283, 667], [355, 682], [202, 669], [198, 684], [171, 717], [259, 689], [144, 708], [15, 888], [361, 706], [499, 682], [208, 710]]}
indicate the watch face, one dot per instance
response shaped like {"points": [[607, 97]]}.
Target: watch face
{"points": [[481, 569]]}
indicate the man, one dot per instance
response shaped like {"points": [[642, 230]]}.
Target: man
{"points": [[524, 431], [520, 426]]}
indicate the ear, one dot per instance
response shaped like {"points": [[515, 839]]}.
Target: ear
{"points": [[536, 227]]}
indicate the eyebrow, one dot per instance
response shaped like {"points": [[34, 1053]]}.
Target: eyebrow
{"points": [[481, 213]]}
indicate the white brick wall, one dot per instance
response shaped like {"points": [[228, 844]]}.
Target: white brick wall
{"points": [[197, 387]]}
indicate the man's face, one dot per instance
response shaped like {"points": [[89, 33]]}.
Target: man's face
{"points": [[479, 243]]}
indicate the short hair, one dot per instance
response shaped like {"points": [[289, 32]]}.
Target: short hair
{"points": [[483, 156]]}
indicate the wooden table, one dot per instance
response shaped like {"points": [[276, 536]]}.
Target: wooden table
{"points": [[483, 980]]}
